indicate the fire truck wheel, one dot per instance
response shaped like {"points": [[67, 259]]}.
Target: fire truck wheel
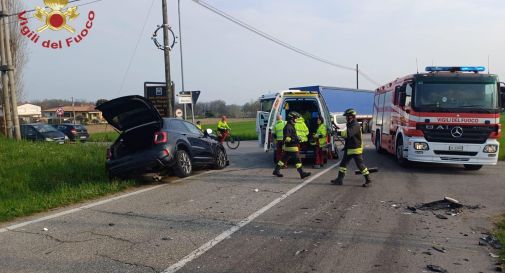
{"points": [[378, 147], [402, 161], [472, 167]]}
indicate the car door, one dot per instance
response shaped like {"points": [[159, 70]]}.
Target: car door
{"points": [[197, 138]]}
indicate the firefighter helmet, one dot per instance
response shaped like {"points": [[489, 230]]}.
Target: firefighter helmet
{"points": [[293, 115], [350, 112]]}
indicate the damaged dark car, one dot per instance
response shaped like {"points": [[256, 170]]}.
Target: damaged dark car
{"points": [[150, 143]]}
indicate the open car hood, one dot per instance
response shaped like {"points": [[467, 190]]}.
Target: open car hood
{"points": [[126, 113]]}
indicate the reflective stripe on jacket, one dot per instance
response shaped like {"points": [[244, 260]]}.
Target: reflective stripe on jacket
{"points": [[353, 141], [279, 130], [301, 130]]}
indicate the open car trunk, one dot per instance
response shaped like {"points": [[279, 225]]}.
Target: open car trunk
{"points": [[133, 141]]}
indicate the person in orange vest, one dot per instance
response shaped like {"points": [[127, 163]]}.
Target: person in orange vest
{"points": [[278, 136]]}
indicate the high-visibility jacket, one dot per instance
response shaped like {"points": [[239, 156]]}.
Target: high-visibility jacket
{"points": [[322, 134], [353, 141], [279, 130], [199, 126], [302, 131], [223, 125], [291, 139]]}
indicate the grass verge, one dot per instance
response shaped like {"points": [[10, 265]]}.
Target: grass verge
{"points": [[500, 234], [103, 137], [36, 177]]}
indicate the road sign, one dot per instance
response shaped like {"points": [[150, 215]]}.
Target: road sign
{"points": [[193, 94], [60, 112], [185, 99], [156, 93], [178, 113]]}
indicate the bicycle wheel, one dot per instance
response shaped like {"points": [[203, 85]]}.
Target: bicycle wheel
{"points": [[233, 142]]}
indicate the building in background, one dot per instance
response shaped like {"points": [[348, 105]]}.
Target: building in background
{"points": [[28, 113], [84, 114]]}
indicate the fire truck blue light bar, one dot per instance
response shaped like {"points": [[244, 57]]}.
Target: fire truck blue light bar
{"points": [[455, 68]]}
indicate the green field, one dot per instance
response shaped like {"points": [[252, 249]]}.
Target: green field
{"points": [[103, 137], [36, 177], [245, 130]]}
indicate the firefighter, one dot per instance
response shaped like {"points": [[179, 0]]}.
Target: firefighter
{"points": [[199, 125], [319, 140], [290, 148], [353, 149], [278, 136], [223, 129]]}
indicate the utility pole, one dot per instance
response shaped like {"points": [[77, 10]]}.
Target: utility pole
{"points": [[4, 78], [12, 82], [182, 59], [357, 76], [168, 79], [73, 109]]}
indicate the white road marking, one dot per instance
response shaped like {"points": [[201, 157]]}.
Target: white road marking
{"points": [[56, 215], [210, 244]]}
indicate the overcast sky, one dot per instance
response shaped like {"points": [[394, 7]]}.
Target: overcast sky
{"points": [[227, 62]]}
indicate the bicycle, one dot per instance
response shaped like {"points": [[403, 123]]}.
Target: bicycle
{"points": [[231, 141]]}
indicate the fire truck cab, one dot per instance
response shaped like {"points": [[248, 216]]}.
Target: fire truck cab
{"points": [[447, 115]]}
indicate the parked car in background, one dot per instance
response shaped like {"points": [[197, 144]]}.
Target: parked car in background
{"points": [[75, 132], [42, 132], [150, 143]]}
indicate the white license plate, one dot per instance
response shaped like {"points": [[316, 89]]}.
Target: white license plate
{"points": [[456, 148], [83, 137]]}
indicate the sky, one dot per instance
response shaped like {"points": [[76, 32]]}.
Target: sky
{"points": [[225, 61]]}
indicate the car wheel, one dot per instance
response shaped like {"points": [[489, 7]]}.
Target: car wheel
{"points": [[220, 160], [472, 167], [183, 166], [402, 161]]}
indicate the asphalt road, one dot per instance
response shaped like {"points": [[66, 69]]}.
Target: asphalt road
{"points": [[319, 228]]}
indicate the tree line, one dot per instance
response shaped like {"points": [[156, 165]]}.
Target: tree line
{"points": [[211, 109]]}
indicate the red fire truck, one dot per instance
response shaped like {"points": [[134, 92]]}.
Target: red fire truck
{"points": [[447, 115]]}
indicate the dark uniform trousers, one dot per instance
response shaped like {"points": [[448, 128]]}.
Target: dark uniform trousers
{"points": [[358, 159]]}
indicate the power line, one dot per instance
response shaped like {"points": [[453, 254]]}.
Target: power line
{"points": [[278, 41], [136, 47]]}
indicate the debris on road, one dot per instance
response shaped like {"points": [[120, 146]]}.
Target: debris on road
{"points": [[491, 241], [441, 216], [439, 249], [111, 224], [446, 204], [256, 190], [300, 251], [494, 255], [436, 268], [45, 229], [167, 238]]}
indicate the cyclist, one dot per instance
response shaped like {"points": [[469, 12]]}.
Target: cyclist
{"points": [[223, 129]]}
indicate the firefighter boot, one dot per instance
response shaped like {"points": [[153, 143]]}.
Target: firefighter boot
{"points": [[302, 173], [368, 181], [277, 171], [339, 180]]}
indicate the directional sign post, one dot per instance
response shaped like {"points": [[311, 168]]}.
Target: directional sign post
{"points": [[192, 96]]}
